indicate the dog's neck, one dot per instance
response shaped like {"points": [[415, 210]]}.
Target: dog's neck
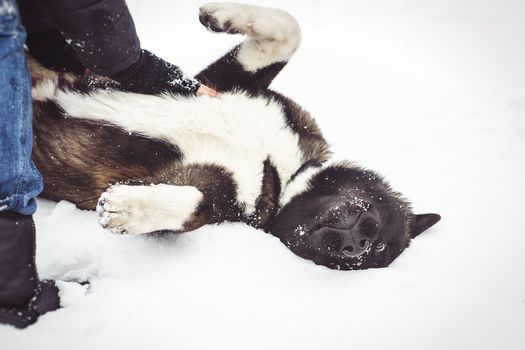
{"points": [[300, 181]]}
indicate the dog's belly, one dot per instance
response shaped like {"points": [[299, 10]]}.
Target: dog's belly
{"points": [[235, 131]]}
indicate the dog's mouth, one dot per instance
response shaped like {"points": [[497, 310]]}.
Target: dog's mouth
{"points": [[333, 259], [358, 262]]}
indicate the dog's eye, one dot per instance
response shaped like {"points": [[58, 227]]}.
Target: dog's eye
{"points": [[380, 246]]}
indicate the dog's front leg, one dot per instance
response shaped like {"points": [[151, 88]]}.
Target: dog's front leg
{"points": [[142, 209]]}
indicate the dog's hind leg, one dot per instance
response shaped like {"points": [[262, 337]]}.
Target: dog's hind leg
{"points": [[273, 36]]}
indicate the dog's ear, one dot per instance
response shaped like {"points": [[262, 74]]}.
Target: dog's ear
{"points": [[422, 222]]}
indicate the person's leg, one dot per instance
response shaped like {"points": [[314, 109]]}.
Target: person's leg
{"points": [[22, 296], [20, 181]]}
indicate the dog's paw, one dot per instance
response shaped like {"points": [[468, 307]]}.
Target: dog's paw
{"points": [[255, 21], [121, 209], [273, 35], [142, 209], [225, 17]]}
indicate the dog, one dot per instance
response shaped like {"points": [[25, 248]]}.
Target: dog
{"points": [[172, 163]]}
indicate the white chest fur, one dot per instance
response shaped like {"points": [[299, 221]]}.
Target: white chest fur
{"points": [[233, 130]]}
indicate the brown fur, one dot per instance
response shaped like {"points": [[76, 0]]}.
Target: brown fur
{"points": [[80, 159], [63, 152], [267, 204], [311, 141]]}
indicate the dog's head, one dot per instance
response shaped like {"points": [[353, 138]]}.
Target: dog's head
{"points": [[349, 218]]}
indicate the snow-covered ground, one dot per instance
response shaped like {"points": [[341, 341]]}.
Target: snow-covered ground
{"points": [[429, 92]]}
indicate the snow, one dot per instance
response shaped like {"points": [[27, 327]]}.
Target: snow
{"points": [[431, 94]]}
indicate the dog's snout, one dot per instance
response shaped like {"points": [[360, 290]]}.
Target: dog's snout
{"points": [[352, 249]]}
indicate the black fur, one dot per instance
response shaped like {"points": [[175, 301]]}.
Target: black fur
{"points": [[227, 74], [348, 219]]}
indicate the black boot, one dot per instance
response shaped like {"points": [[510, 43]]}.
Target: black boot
{"points": [[22, 296]]}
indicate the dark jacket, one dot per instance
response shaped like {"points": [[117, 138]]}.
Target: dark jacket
{"points": [[72, 35], [102, 33]]}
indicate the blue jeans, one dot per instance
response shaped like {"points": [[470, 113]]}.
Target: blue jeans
{"points": [[20, 181]]}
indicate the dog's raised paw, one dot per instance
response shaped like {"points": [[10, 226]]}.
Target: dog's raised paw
{"points": [[226, 17], [217, 18]]}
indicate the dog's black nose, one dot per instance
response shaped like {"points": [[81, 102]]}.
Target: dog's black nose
{"points": [[352, 249]]}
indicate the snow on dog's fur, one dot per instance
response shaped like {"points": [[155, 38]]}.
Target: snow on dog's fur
{"points": [[251, 155]]}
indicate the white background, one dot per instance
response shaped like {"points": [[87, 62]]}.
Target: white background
{"points": [[429, 93]]}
